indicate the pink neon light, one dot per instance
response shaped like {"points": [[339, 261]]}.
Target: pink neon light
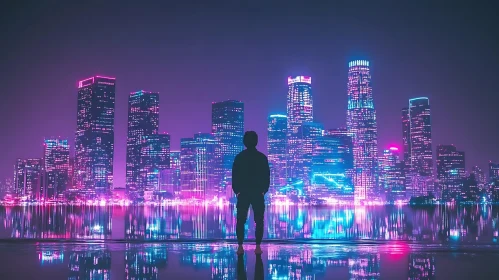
{"points": [[298, 79], [80, 83], [105, 77], [394, 149]]}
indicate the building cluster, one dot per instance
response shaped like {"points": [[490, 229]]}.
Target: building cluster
{"points": [[308, 161]]}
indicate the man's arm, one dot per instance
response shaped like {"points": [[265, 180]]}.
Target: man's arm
{"points": [[236, 175], [266, 174]]}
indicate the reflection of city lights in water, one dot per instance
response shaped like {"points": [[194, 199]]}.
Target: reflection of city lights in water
{"points": [[50, 257], [97, 229]]}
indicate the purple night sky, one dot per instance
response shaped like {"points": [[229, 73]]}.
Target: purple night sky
{"points": [[194, 54]]}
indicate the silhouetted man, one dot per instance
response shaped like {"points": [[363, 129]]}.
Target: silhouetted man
{"points": [[250, 182]]}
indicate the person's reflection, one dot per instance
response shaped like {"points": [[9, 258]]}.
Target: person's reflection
{"points": [[241, 269]]}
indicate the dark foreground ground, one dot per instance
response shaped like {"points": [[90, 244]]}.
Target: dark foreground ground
{"points": [[217, 260]]}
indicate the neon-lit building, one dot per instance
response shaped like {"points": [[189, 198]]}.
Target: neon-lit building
{"points": [[451, 171], [420, 156], [299, 111], [361, 123], [197, 166], [143, 119], [332, 166], [28, 178], [94, 145], [227, 126], [276, 147], [56, 167], [493, 171], [391, 175], [154, 158], [479, 175], [311, 134], [406, 135], [170, 178]]}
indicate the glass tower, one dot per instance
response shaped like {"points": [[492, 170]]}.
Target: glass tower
{"points": [[56, 166], [451, 170], [479, 175], [154, 158], [391, 175], [170, 178], [94, 145], [361, 123], [28, 178], [419, 153], [227, 126], [332, 165], [143, 120], [197, 166], [493, 171], [299, 111], [276, 148], [311, 134]]}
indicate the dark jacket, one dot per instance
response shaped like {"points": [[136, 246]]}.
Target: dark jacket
{"points": [[250, 172]]}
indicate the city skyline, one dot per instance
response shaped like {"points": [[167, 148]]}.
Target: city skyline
{"points": [[452, 88]]}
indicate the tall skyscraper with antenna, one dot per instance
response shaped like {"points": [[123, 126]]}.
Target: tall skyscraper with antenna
{"points": [[361, 123], [299, 111]]}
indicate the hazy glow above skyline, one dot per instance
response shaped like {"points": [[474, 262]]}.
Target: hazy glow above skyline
{"points": [[223, 57]]}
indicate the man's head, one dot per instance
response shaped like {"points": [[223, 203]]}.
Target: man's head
{"points": [[250, 139]]}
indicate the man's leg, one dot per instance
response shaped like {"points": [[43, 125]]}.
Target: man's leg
{"points": [[242, 206], [258, 205]]}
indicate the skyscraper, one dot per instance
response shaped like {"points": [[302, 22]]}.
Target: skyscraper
{"points": [[94, 144], [479, 175], [227, 126], [143, 120], [56, 166], [406, 141], [28, 178], [451, 170], [311, 134], [276, 147], [154, 158], [197, 166], [420, 155], [170, 178], [493, 171], [361, 123], [299, 111], [332, 165], [391, 175]]}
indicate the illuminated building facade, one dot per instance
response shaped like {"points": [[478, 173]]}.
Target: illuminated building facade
{"points": [[361, 123], [197, 166], [28, 178], [420, 158], [227, 126], [56, 167], [479, 175], [276, 147], [94, 145], [170, 178], [391, 175], [332, 166], [451, 170], [299, 111], [406, 138], [154, 158], [310, 133], [493, 171], [143, 120]]}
